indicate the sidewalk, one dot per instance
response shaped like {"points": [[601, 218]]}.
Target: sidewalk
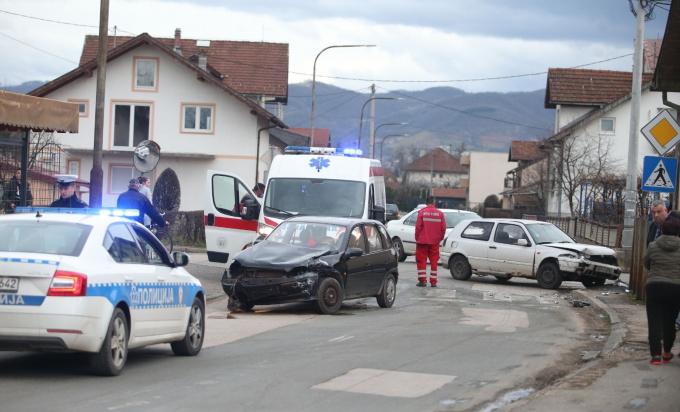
{"points": [[621, 378]]}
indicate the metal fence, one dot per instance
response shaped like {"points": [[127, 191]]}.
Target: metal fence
{"points": [[586, 230]]}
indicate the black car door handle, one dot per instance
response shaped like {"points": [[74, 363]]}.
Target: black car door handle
{"points": [[492, 247]]}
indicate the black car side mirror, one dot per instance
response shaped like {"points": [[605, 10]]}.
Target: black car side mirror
{"points": [[354, 252], [378, 213], [250, 209], [180, 258]]}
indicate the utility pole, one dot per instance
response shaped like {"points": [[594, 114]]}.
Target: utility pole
{"points": [[632, 170], [97, 173], [371, 140]]}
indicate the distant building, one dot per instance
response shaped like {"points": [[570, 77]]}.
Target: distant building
{"points": [[438, 168], [487, 175], [321, 138]]}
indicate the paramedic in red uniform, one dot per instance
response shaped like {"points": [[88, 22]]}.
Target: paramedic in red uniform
{"points": [[430, 230]]}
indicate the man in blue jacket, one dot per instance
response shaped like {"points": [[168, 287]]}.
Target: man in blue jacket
{"points": [[132, 199]]}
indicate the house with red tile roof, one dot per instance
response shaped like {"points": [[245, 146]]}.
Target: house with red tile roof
{"points": [[201, 101], [438, 169], [321, 138]]}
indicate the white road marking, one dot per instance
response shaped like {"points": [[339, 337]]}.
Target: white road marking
{"points": [[342, 338], [503, 321], [129, 405], [386, 383]]}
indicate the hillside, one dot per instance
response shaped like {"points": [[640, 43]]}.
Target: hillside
{"points": [[436, 116], [23, 87]]}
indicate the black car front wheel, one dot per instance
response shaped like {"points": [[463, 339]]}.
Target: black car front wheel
{"points": [[388, 294], [329, 296]]}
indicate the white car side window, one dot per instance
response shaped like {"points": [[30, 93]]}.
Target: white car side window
{"points": [[509, 234], [411, 220]]}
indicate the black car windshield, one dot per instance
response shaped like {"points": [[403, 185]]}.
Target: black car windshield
{"points": [[308, 234], [53, 238], [288, 197], [548, 233], [453, 218]]}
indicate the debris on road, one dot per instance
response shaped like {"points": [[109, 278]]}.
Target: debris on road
{"points": [[579, 303]]}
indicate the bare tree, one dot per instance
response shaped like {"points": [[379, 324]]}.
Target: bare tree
{"points": [[44, 151], [583, 163]]}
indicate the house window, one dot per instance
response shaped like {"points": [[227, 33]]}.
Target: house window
{"points": [[197, 118], [607, 125], [146, 74], [83, 106], [131, 124], [120, 178], [73, 167]]}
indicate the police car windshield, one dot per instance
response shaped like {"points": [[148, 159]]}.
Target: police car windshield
{"points": [[52, 238], [314, 197]]}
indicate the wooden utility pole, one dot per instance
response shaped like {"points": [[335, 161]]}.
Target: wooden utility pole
{"points": [[97, 173], [371, 140]]}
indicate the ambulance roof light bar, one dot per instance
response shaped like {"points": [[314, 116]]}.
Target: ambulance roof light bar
{"points": [[347, 151]]}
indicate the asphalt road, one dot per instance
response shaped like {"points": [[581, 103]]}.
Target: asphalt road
{"points": [[456, 347]]}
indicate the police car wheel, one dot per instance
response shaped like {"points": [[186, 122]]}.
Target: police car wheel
{"points": [[193, 338], [329, 296], [111, 358]]}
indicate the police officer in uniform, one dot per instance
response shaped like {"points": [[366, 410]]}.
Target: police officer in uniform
{"points": [[67, 193], [132, 199]]}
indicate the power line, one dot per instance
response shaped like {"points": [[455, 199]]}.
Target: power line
{"points": [[453, 109], [67, 23], [328, 94], [37, 48]]}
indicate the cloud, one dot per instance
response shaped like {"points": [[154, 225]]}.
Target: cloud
{"points": [[450, 43]]}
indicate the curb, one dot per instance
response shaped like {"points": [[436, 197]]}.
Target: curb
{"points": [[618, 329]]}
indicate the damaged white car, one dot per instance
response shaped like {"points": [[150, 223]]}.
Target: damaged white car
{"points": [[507, 248]]}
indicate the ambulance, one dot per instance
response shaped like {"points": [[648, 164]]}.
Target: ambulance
{"points": [[304, 181]]}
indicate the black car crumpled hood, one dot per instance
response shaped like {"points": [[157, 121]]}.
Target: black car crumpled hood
{"points": [[274, 255]]}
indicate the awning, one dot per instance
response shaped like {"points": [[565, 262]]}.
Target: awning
{"points": [[667, 73], [36, 113]]}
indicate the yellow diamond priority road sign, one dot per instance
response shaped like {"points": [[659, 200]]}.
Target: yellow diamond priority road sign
{"points": [[663, 132]]}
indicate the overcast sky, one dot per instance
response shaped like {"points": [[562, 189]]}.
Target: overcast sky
{"points": [[416, 40]]}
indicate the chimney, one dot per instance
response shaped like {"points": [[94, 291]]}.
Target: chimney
{"points": [[203, 60], [178, 45]]}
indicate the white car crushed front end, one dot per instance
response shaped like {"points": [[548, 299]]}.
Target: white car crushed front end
{"points": [[583, 260]]}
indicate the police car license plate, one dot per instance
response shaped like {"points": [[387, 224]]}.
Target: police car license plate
{"points": [[8, 284]]}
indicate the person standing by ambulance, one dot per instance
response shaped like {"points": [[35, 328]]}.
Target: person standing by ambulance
{"points": [[430, 230]]}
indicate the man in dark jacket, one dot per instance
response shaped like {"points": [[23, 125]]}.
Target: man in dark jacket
{"points": [[67, 193], [430, 230], [132, 199], [13, 192], [659, 214]]}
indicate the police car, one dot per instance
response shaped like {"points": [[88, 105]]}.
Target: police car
{"points": [[94, 283]]}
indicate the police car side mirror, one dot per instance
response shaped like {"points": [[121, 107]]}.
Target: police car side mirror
{"points": [[180, 258]]}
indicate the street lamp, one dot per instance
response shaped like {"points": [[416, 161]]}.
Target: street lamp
{"points": [[382, 142], [311, 119], [375, 131], [361, 119]]}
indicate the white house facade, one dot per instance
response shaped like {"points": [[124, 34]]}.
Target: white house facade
{"points": [[153, 93]]}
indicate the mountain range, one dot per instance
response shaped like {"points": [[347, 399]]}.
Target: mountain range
{"points": [[437, 116]]}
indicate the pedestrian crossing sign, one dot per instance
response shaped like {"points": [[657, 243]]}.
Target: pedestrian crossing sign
{"points": [[659, 174]]}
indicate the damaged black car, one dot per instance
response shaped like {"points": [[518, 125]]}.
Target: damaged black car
{"points": [[318, 259]]}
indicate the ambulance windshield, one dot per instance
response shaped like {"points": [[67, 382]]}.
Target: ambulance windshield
{"points": [[288, 197]]}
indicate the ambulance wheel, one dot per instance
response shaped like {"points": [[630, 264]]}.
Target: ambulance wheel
{"points": [[195, 332], [111, 358], [401, 255], [329, 296], [460, 267]]}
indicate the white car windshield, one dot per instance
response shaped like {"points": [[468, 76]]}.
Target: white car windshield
{"points": [[453, 218], [547, 233], [287, 197], [311, 235], [54, 238]]}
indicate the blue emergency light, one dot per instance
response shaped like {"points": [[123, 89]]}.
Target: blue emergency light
{"points": [[105, 211], [348, 151]]}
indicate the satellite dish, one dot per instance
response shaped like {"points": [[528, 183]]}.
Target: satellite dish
{"points": [[146, 156]]}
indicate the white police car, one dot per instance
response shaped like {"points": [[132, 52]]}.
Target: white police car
{"points": [[93, 283]]}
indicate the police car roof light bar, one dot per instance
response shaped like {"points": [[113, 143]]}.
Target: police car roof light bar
{"points": [[323, 150], [112, 211]]}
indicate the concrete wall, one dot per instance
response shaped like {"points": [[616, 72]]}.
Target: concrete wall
{"points": [[232, 143], [487, 175]]}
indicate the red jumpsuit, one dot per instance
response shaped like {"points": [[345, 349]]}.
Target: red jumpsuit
{"points": [[430, 230]]}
